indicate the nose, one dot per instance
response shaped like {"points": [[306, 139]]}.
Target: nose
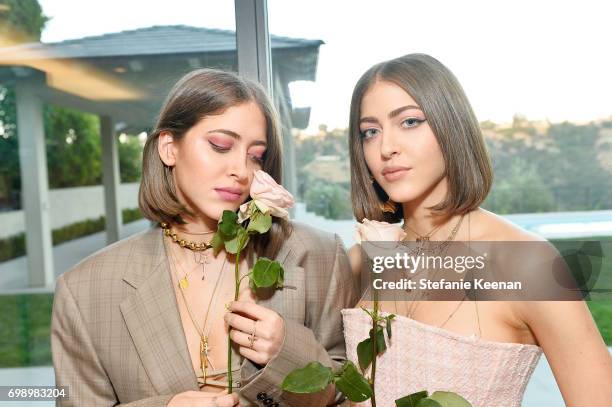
{"points": [[388, 146], [239, 168]]}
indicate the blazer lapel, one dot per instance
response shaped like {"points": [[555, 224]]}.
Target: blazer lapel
{"points": [[152, 319]]}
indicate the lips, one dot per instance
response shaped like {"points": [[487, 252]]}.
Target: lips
{"points": [[393, 173], [230, 194]]}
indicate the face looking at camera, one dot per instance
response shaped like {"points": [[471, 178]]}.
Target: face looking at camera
{"points": [[400, 149], [213, 164]]}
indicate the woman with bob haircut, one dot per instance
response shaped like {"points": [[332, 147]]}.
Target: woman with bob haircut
{"points": [[144, 322], [418, 157]]}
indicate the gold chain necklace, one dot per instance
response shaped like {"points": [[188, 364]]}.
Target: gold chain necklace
{"points": [[419, 237], [191, 245], [204, 345], [438, 250]]}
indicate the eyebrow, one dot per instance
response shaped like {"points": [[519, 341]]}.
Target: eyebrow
{"points": [[391, 115], [236, 136]]}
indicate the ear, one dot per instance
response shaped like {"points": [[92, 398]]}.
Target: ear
{"points": [[166, 148]]}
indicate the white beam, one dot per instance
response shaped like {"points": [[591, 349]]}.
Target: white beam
{"points": [[253, 41], [110, 179], [34, 183]]}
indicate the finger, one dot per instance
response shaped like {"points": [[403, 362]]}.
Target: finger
{"points": [[229, 400], [255, 311], [253, 355], [247, 295], [239, 322], [242, 339]]}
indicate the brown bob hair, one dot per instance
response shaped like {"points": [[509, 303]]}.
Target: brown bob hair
{"points": [[452, 120], [198, 94]]}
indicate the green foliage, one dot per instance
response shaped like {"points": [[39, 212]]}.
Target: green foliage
{"points": [[78, 229], [437, 399], [448, 399], [23, 21], [556, 170], [522, 190], [267, 273], [130, 159], [260, 222], [332, 201], [315, 377], [14, 246], [73, 142], [365, 350], [130, 215], [10, 181], [25, 329], [312, 378], [411, 400], [352, 384]]}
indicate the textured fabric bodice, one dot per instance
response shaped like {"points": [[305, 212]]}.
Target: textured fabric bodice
{"points": [[423, 357]]}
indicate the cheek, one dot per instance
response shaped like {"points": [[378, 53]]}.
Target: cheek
{"points": [[431, 154], [371, 154]]}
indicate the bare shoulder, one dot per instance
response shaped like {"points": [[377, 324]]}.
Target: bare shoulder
{"points": [[488, 226]]}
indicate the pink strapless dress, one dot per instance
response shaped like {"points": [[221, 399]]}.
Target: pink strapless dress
{"points": [[423, 357]]}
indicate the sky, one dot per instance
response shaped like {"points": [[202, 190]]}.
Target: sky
{"points": [[546, 60]]}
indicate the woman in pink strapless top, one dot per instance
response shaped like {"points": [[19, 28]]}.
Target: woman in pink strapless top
{"points": [[418, 157], [423, 357]]}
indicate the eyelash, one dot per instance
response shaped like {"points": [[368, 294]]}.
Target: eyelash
{"points": [[365, 136], [226, 149]]}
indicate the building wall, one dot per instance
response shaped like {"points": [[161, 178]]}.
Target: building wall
{"points": [[70, 205]]}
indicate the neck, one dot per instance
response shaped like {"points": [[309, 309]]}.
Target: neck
{"points": [[197, 227], [417, 214]]}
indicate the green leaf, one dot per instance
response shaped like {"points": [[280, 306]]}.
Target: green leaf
{"points": [[428, 403], [448, 399], [217, 243], [260, 222], [238, 242], [228, 226], [354, 386], [312, 378], [266, 273], [364, 353], [380, 339], [411, 400], [364, 348], [388, 319]]}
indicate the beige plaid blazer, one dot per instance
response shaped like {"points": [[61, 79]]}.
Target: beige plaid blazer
{"points": [[117, 337]]}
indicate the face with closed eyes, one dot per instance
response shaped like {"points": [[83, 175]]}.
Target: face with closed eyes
{"points": [[213, 163], [400, 149]]}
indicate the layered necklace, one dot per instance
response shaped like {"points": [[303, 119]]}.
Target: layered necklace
{"points": [[183, 284], [197, 248]]}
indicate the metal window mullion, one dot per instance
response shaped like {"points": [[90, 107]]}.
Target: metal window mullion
{"points": [[253, 41]]}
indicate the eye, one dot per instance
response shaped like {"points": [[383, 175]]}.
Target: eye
{"points": [[257, 159], [411, 122], [219, 148], [369, 133], [257, 154]]}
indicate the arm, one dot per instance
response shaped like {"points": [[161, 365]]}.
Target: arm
{"points": [[329, 288], [574, 348], [75, 359]]}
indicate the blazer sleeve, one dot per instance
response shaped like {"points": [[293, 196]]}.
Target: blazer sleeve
{"points": [[329, 286], [75, 360]]}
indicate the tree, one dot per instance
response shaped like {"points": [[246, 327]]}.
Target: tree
{"points": [[21, 21], [73, 148], [522, 191], [331, 201]]}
